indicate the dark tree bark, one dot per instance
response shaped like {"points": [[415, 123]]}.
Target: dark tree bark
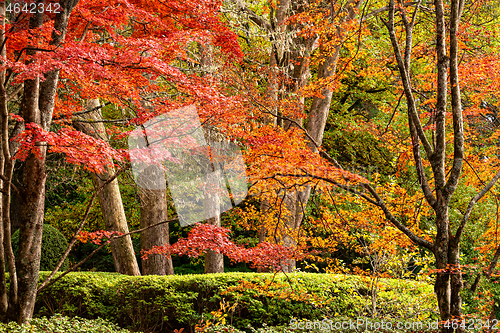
{"points": [[36, 107]]}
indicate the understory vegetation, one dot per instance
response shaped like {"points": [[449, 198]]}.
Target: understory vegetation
{"points": [[242, 300]]}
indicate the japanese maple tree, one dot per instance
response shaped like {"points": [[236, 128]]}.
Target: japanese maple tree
{"points": [[57, 57]]}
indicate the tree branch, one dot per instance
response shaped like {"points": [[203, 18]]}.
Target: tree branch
{"points": [[474, 200], [91, 110], [377, 202], [380, 203], [438, 161], [258, 20], [456, 104], [412, 108], [16, 91], [80, 227]]}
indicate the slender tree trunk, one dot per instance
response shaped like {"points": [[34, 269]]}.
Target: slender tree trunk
{"points": [[3, 280], [111, 200], [214, 261], [298, 54], [6, 166], [115, 220], [4, 126], [154, 210], [442, 286], [28, 260]]}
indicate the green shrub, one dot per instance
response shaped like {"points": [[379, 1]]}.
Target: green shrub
{"points": [[83, 294], [222, 328], [59, 324], [53, 246], [165, 303]]}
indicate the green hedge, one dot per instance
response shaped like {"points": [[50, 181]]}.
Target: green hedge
{"points": [[60, 324], [165, 303], [53, 246]]}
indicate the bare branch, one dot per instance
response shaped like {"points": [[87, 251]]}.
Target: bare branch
{"points": [[456, 104], [91, 110], [5, 179], [80, 227], [16, 91], [377, 201], [412, 108], [474, 200], [380, 203], [424, 183], [330, 159]]}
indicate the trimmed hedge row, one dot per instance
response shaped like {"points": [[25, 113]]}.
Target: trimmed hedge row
{"points": [[165, 303], [59, 324]]}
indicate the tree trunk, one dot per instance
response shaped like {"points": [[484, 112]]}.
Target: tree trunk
{"points": [[115, 220], [31, 217], [442, 286], [214, 261], [6, 168], [153, 211], [37, 107], [110, 199], [456, 281], [32, 203], [298, 54]]}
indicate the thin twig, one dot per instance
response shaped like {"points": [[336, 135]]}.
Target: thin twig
{"points": [[80, 227]]}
